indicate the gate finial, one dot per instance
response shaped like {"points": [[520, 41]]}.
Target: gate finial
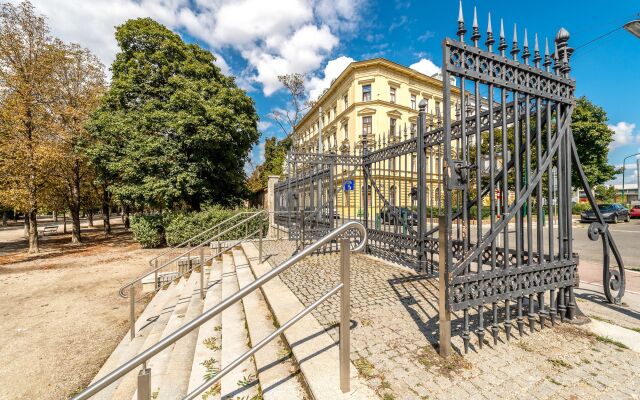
{"points": [[461, 29], [514, 47], [503, 42], [525, 46], [489, 42], [476, 32], [536, 51], [563, 50], [547, 57], [556, 60]]}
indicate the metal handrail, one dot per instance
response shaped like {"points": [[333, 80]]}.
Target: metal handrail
{"points": [[144, 378], [200, 234], [211, 239]]}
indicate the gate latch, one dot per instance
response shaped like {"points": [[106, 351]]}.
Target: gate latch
{"points": [[458, 173]]}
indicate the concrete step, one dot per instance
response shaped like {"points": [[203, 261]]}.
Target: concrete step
{"points": [[173, 383], [159, 362], [276, 371], [206, 359], [128, 384], [128, 348], [241, 382], [313, 348]]}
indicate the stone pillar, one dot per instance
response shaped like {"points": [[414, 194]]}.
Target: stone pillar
{"points": [[271, 201]]}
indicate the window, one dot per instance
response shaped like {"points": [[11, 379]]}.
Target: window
{"points": [[413, 101], [366, 92], [414, 127], [346, 101], [438, 108], [392, 126], [366, 126], [335, 111], [392, 94], [346, 130]]}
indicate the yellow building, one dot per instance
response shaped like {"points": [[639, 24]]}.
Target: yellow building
{"points": [[370, 98], [374, 101]]}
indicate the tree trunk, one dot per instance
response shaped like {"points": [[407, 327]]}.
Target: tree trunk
{"points": [[90, 217], [74, 204], [64, 222], [34, 245], [105, 212], [5, 218], [55, 216], [125, 213], [26, 226]]}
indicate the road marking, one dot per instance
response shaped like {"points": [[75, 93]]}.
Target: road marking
{"points": [[599, 284], [611, 230]]}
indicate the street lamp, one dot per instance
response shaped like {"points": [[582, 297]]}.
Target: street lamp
{"points": [[624, 168], [633, 27]]}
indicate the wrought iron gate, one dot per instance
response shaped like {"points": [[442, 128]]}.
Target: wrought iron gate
{"points": [[481, 194]]}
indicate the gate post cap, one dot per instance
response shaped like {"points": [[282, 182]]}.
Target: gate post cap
{"points": [[562, 36], [422, 104]]}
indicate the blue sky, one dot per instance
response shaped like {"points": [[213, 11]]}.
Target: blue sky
{"points": [[256, 40]]}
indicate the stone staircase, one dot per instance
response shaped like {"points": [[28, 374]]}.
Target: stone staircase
{"points": [[272, 373]]}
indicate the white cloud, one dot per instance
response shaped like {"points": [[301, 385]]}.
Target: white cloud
{"points": [[316, 85], [623, 135], [274, 37], [426, 67], [264, 125]]}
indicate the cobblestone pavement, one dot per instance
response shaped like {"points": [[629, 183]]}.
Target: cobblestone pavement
{"points": [[395, 314]]}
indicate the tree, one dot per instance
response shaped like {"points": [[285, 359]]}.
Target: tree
{"points": [[592, 137], [276, 150], [79, 80], [28, 59], [604, 193], [171, 129]]}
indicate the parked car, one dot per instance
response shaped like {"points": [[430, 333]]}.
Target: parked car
{"points": [[398, 215], [635, 212], [613, 213]]}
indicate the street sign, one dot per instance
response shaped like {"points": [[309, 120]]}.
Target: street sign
{"points": [[349, 185]]}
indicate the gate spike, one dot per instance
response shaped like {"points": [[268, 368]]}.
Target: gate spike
{"points": [[531, 316], [525, 45], [494, 326], [490, 41], [502, 46], [536, 51], [556, 60], [461, 29], [552, 307], [480, 330], [514, 47], [519, 320], [547, 57], [475, 31], [465, 332], [507, 319]]}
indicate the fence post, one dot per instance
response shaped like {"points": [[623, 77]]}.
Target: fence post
{"points": [[421, 174], [155, 275], [260, 244], [444, 342], [202, 291], [345, 314], [144, 383], [132, 310]]}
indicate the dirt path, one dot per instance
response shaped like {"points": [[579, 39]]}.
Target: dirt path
{"points": [[60, 313]]}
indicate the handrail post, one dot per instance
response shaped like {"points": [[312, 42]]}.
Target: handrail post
{"points": [[345, 314], [155, 276], [132, 310], [444, 342], [260, 245], [202, 292]]}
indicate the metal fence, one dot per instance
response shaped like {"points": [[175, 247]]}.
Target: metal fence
{"points": [[481, 195]]}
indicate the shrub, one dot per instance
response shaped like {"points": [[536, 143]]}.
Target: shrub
{"points": [[181, 226], [148, 230], [580, 207]]}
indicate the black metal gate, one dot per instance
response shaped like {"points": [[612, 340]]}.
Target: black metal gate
{"points": [[481, 195]]}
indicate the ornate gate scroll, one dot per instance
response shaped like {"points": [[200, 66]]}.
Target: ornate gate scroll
{"points": [[507, 224]]}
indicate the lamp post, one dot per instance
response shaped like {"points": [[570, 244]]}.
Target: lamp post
{"points": [[624, 169]]}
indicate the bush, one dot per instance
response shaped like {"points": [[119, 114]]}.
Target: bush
{"points": [[580, 207], [148, 230], [179, 227]]}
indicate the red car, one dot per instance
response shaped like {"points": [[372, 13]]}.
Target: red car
{"points": [[635, 212]]}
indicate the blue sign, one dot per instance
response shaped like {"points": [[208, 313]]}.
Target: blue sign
{"points": [[349, 185]]}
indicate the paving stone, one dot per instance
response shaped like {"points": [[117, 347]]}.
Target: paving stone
{"points": [[397, 318]]}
